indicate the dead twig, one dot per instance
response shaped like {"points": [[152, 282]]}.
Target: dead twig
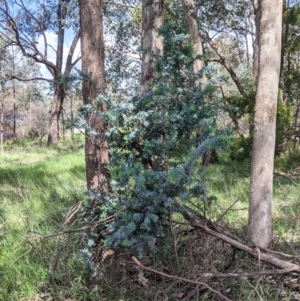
{"points": [[256, 290], [56, 233], [226, 211], [135, 260], [73, 210], [19, 257]]}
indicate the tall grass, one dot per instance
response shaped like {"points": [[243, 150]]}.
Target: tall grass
{"points": [[229, 183], [37, 186]]}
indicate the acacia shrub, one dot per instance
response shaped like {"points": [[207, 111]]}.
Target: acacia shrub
{"points": [[154, 162]]}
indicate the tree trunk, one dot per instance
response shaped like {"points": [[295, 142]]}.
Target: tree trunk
{"points": [[53, 133], [152, 43], [190, 17], [2, 125], [59, 94], [256, 44], [261, 178], [72, 119], [92, 49]]}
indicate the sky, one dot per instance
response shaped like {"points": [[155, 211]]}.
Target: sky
{"points": [[52, 40]]}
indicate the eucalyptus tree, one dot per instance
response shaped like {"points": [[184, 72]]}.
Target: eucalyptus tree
{"points": [[269, 20], [92, 48], [190, 17], [27, 24], [3, 80], [13, 102], [152, 42]]}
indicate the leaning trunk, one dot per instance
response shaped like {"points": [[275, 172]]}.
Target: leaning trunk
{"points": [[59, 95], [92, 49], [261, 178]]}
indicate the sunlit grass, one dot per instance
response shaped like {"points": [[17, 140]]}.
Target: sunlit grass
{"points": [[229, 181], [37, 185]]}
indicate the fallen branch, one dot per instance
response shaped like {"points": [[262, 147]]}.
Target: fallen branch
{"points": [[135, 260], [278, 173], [247, 275], [202, 223], [58, 233]]}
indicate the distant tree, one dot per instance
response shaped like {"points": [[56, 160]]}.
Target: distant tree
{"points": [[24, 24], [92, 48], [227, 30], [7, 86], [269, 18], [122, 36]]}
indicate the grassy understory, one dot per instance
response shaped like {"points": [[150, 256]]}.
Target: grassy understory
{"points": [[229, 183], [37, 187]]}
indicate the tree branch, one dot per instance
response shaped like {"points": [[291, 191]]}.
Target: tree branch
{"points": [[224, 63], [25, 44], [69, 64], [28, 79]]}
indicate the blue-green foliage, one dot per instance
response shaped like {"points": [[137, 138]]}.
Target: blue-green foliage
{"points": [[155, 144]]}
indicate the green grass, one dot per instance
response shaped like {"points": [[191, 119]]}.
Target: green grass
{"points": [[229, 182], [37, 186]]}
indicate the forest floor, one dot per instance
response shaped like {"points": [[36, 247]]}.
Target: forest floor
{"points": [[38, 186]]}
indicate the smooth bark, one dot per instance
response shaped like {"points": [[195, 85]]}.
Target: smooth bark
{"points": [[261, 179], [92, 49], [152, 42]]}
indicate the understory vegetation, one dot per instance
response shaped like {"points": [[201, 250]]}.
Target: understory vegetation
{"points": [[39, 187], [155, 181]]}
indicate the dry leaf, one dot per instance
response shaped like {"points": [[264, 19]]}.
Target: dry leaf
{"points": [[180, 295]]}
